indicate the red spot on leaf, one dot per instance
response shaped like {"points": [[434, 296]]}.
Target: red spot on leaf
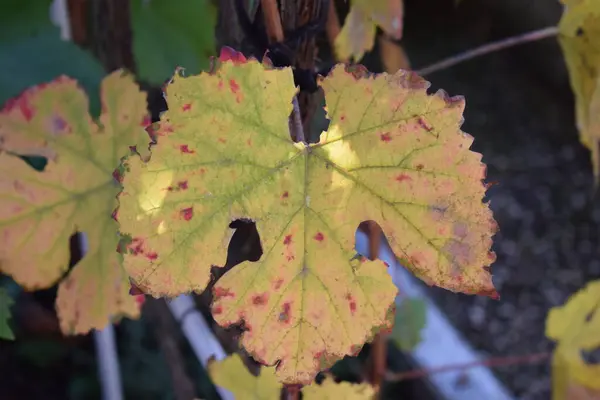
{"points": [[403, 177], [217, 310], [140, 300], [260, 299], [284, 315], [221, 140], [287, 240], [183, 185], [355, 349], [152, 256], [342, 117], [319, 237], [185, 149], [351, 303], [285, 195], [187, 213], [233, 86], [117, 176], [219, 292], [186, 107], [386, 137], [278, 284]]}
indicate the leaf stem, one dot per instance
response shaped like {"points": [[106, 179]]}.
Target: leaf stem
{"points": [[488, 48], [490, 362]]}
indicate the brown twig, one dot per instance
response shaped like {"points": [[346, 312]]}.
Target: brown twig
{"points": [[490, 362], [272, 20], [183, 388], [488, 48]]}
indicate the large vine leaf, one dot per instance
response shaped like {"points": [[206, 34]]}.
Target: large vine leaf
{"points": [[171, 33], [576, 328], [232, 374], [392, 154], [358, 33], [6, 303], [39, 211], [579, 33]]}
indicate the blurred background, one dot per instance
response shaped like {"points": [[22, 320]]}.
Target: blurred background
{"points": [[519, 107]]}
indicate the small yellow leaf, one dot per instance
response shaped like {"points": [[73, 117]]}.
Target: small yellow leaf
{"points": [[232, 374], [76, 191], [579, 32], [331, 390], [358, 33], [576, 328], [356, 37]]}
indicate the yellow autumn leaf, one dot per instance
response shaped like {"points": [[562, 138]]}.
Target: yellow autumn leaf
{"points": [[576, 328], [76, 191], [579, 33], [392, 154], [358, 33], [332, 390], [232, 374]]}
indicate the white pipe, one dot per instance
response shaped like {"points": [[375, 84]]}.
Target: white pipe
{"points": [[109, 372], [204, 343]]}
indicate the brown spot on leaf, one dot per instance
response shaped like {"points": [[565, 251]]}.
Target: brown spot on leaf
{"points": [[260, 299], [219, 292], [278, 283], [249, 142], [319, 237], [284, 315], [185, 149], [187, 213], [386, 137], [419, 167], [425, 124], [351, 303]]}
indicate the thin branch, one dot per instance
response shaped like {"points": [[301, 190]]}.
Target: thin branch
{"points": [[489, 48], [490, 362]]}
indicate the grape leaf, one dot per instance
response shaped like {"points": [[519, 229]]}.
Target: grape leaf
{"points": [[331, 390], [358, 33], [392, 154], [6, 303], [168, 33], [232, 374], [39, 211], [579, 31], [576, 328], [410, 320]]}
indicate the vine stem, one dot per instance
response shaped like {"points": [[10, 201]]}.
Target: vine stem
{"points": [[490, 362], [489, 48], [275, 34]]}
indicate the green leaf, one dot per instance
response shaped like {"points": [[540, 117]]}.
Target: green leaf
{"points": [[6, 303], [410, 320], [26, 34], [168, 34]]}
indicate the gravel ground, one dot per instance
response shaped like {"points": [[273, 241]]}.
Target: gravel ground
{"points": [[548, 246]]}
